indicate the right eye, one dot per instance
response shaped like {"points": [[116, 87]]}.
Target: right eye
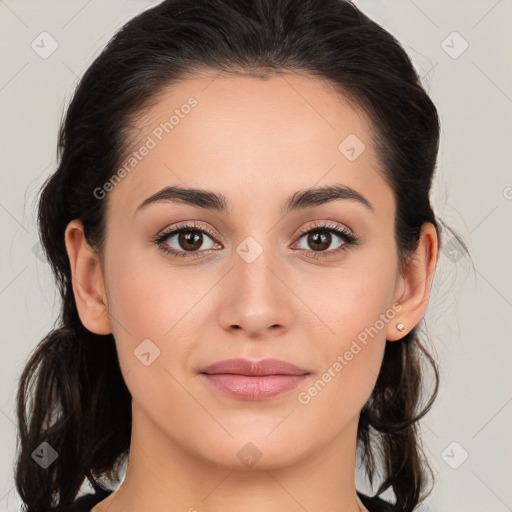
{"points": [[187, 240]]}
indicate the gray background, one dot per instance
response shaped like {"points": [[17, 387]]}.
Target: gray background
{"points": [[467, 433]]}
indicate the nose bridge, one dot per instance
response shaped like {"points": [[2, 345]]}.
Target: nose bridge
{"points": [[255, 259], [258, 301]]}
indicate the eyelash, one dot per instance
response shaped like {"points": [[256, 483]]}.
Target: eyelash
{"points": [[349, 238]]}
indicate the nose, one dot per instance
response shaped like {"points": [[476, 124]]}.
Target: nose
{"points": [[258, 302]]}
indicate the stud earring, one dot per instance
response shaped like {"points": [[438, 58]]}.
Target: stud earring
{"points": [[400, 327]]}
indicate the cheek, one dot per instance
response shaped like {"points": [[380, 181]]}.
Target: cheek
{"points": [[353, 310], [148, 311], [150, 300], [354, 319], [351, 301], [142, 307], [143, 297]]}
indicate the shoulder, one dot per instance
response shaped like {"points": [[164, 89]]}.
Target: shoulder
{"points": [[376, 504], [88, 501]]}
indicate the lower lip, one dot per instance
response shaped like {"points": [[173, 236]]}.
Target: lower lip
{"points": [[248, 387]]}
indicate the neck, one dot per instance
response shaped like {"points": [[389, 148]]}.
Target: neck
{"points": [[164, 476]]}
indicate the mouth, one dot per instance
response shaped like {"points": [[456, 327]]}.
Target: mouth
{"points": [[253, 380]]}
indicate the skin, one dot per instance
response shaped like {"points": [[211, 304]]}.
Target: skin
{"points": [[257, 143]]}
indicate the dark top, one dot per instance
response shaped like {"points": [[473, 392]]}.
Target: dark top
{"points": [[87, 502]]}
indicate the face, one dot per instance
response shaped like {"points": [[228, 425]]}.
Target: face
{"points": [[254, 274]]}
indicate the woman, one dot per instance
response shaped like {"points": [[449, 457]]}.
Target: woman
{"points": [[241, 232]]}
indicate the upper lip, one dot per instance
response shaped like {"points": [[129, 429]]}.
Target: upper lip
{"points": [[246, 367]]}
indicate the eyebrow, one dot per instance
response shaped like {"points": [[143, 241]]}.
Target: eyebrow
{"points": [[213, 201]]}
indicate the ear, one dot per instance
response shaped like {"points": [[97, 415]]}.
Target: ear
{"points": [[413, 285], [87, 280]]}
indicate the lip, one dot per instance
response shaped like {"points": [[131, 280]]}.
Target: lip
{"points": [[253, 380], [267, 366]]}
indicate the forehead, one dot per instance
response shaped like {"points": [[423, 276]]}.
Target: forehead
{"points": [[250, 139]]}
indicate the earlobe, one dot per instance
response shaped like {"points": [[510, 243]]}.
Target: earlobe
{"points": [[396, 330], [416, 282], [87, 280]]}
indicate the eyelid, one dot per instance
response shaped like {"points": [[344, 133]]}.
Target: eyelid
{"points": [[319, 224], [326, 225], [191, 225]]}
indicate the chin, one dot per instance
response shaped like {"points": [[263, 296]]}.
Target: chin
{"points": [[256, 455]]}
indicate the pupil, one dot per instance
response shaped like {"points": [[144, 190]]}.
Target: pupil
{"points": [[322, 236], [189, 237]]}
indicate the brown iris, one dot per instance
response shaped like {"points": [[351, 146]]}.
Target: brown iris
{"points": [[319, 239], [190, 240]]}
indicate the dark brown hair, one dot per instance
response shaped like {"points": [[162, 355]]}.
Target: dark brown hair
{"points": [[71, 392]]}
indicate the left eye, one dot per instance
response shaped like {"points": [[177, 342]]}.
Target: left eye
{"points": [[322, 239]]}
